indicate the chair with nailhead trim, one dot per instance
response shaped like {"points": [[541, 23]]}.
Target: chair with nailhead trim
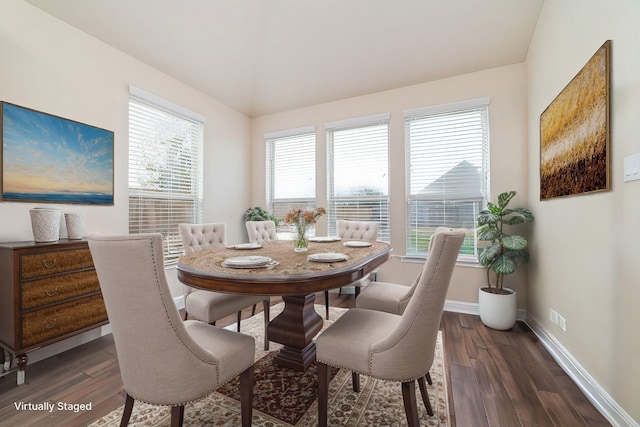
{"points": [[209, 306], [392, 347], [163, 360]]}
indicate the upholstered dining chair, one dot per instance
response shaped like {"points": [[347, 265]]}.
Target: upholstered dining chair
{"points": [[389, 346], [163, 360], [354, 230], [261, 231], [392, 297], [210, 306]]}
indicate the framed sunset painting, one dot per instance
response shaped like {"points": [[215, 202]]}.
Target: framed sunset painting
{"points": [[50, 159]]}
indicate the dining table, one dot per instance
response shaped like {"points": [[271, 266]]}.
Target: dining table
{"points": [[276, 269]]}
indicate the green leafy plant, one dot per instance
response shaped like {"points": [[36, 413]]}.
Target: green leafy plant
{"points": [[506, 251], [259, 214]]}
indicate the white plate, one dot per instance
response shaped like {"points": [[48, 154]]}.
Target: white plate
{"points": [[328, 257], [324, 239], [358, 244], [247, 246], [247, 261]]}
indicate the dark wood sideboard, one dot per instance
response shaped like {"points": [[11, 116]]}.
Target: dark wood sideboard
{"points": [[48, 292]]}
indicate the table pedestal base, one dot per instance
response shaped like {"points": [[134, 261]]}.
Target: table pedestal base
{"points": [[295, 328]]}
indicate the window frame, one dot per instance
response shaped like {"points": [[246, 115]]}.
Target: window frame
{"points": [[382, 201], [182, 201], [481, 106]]}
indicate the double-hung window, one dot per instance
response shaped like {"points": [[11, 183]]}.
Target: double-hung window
{"points": [[447, 171], [358, 172], [165, 169], [291, 170]]}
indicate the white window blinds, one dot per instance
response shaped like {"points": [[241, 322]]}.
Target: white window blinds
{"points": [[165, 173], [447, 173], [291, 171], [358, 173]]}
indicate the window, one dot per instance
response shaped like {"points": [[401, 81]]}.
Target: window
{"points": [[291, 170], [447, 171], [165, 172], [358, 172]]}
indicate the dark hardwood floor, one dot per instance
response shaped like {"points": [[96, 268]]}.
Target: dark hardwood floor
{"points": [[495, 378]]}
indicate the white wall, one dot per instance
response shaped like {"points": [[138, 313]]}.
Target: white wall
{"points": [[506, 88], [585, 248], [50, 66]]}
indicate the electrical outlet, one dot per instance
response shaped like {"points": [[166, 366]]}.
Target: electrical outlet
{"points": [[556, 318]]}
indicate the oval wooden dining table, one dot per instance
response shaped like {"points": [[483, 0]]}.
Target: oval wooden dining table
{"points": [[291, 275]]}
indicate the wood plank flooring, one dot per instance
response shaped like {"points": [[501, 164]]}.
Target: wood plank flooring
{"points": [[495, 378]]}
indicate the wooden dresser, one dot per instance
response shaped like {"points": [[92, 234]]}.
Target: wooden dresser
{"points": [[48, 292]]}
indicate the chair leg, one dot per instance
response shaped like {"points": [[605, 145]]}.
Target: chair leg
{"points": [[128, 408], [253, 310], [266, 305], [410, 406], [428, 376], [355, 381], [339, 291], [324, 377], [425, 396], [357, 290], [177, 416], [246, 396], [239, 319], [186, 315], [326, 304]]}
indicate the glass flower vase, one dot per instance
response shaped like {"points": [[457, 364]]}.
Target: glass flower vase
{"points": [[301, 240]]}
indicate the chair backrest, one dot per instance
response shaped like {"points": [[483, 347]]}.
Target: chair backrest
{"points": [[407, 352], [357, 230], [261, 231], [407, 297], [160, 363], [197, 237]]}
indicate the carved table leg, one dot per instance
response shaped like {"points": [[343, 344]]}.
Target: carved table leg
{"points": [[22, 367], [295, 328]]}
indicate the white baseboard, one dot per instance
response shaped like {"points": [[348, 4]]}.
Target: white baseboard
{"points": [[600, 399], [603, 402]]}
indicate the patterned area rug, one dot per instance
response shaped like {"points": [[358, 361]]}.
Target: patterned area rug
{"points": [[286, 398]]}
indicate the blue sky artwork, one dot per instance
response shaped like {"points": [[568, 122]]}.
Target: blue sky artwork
{"points": [[50, 159]]}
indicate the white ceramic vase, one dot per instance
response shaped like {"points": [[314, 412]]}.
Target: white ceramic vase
{"points": [[45, 224], [497, 311], [75, 225]]}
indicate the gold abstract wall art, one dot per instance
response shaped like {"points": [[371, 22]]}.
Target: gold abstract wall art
{"points": [[574, 133]]}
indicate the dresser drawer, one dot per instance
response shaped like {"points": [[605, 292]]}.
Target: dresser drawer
{"points": [[54, 289], [54, 262], [52, 322]]}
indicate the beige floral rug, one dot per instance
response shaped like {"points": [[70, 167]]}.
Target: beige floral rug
{"points": [[290, 400]]}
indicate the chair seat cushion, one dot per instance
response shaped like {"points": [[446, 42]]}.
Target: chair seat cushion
{"points": [[382, 296], [209, 306], [233, 351], [345, 345]]}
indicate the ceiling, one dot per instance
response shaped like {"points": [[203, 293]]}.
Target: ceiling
{"points": [[267, 56]]}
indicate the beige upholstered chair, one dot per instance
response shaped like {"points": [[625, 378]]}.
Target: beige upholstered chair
{"points": [[209, 306], [391, 297], [354, 230], [163, 360], [389, 346], [261, 231]]}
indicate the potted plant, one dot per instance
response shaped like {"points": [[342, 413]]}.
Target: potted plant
{"points": [[500, 257], [259, 214]]}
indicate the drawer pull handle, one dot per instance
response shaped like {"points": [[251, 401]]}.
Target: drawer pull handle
{"points": [[50, 294], [49, 264], [50, 325]]}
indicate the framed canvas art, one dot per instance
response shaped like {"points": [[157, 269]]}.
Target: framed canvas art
{"points": [[574, 133], [50, 159]]}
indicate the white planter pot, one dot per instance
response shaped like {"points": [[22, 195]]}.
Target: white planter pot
{"points": [[45, 224], [497, 311]]}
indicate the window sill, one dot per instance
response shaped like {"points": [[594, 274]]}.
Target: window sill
{"points": [[466, 262]]}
